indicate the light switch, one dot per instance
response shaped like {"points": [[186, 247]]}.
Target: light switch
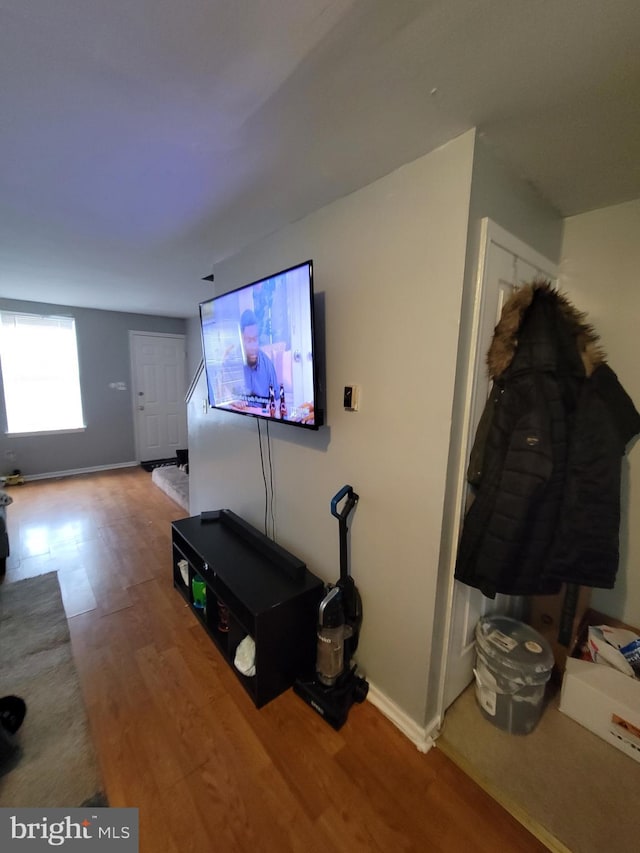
{"points": [[350, 398]]}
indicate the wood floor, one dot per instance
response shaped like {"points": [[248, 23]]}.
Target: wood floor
{"points": [[176, 734]]}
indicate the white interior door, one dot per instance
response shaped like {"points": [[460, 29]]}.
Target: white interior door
{"points": [[158, 368], [505, 264], [302, 363]]}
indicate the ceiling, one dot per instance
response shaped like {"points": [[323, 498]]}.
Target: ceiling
{"points": [[143, 141]]}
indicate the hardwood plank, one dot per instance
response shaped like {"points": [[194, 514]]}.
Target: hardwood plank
{"points": [[76, 590]]}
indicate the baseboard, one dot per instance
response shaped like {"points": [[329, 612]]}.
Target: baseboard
{"points": [[420, 736], [72, 472]]}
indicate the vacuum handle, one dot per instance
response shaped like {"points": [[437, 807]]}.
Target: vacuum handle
{"points": [[349, 505]]}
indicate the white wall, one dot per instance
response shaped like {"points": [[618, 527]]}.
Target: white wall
{"points": [[389, 268], [599, 272]]}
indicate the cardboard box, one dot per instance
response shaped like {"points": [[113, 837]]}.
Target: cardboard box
{"points": [[602, 699], [545, 615]]}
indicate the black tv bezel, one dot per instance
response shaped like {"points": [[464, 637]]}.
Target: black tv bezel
{"points": [[317, 403]]}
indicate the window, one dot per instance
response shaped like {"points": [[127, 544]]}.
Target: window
{"points": [[39, 359]]}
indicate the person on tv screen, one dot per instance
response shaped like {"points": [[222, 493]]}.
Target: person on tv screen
{"points": [[260, 376]]}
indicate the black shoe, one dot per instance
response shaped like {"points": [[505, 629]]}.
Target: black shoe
{"points": [[12, 713]]}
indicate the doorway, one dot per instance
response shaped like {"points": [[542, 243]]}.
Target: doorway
{"points": [[158, 370], [504, 264]]}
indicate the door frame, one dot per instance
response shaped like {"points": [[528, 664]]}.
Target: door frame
{"points": [[133, 333], [490, 233]]}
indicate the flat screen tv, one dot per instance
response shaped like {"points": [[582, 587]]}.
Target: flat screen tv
{"points": [[259, 351]]}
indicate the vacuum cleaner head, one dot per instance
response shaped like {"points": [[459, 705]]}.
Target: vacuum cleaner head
{"points": [[333, 703]]}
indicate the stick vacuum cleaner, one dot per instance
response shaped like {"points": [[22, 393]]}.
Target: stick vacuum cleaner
{"points": [[334, 687]]}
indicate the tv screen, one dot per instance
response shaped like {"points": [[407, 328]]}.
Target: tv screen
{"points": [[258, 349]]}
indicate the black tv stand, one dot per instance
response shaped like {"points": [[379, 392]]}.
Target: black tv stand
{"points": [[260, 589]]}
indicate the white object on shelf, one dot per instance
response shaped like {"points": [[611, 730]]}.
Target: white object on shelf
{"points": [[245, 659], [184, 570]]}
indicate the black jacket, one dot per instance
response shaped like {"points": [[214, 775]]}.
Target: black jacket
{"points": [[546, 462]]}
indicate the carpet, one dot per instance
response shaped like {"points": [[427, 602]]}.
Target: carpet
{"points": [[570, 788], [174, 482], [56, 764]]}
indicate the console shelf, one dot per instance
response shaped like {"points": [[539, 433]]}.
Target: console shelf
{"points": [[258, 589]]}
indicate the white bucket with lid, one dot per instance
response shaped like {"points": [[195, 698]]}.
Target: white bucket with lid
{"points": [[513, 666]]}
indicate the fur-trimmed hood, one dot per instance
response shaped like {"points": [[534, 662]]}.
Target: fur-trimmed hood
{"points": [[505, 340]]}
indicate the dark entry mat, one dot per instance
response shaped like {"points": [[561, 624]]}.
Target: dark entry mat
{"points": [[157, 463]]}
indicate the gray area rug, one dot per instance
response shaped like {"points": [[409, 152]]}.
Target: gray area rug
{"points": [[56, 765]]}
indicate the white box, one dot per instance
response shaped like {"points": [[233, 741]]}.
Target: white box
{"points": [[604, 701]]}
